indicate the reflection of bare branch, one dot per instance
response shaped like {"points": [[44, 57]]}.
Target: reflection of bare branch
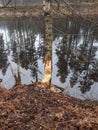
{"points": [[34, 66]]}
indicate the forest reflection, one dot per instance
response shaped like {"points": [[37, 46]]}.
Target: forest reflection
{"points": [[77, 55], [75, 46]]}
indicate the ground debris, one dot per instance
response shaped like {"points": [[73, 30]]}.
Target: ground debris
{"points": [[34, 108]]}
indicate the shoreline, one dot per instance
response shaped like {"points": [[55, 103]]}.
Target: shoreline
{"points": [[36, 10]]}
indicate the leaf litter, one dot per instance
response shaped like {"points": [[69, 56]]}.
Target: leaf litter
{"points": [[31, 107]]}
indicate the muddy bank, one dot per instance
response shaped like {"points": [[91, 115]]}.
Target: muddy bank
{"points": [[34, 108]]}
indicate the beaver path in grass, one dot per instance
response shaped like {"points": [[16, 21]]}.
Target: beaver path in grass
{"points": [[30, 107]]}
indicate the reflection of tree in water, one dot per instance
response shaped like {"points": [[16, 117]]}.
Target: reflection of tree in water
{"points": [[80, 59], [82, 65], [27, 54], [24, 46], [3, 56], [62, 65], [41, 49], [64, 50], [84, 72]]}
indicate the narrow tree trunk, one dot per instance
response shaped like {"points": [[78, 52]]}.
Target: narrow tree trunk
{"points": [[48, 42]]}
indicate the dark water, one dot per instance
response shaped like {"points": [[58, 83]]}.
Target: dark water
{"points": [[74, 53]]}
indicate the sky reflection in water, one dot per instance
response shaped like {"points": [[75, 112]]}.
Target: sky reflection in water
{"points": [[74, 53]]}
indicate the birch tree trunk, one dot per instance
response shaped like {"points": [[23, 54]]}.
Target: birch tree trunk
{"points": [[48, 43]]}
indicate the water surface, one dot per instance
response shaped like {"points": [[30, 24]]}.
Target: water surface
{"points": [[74, 54]]}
